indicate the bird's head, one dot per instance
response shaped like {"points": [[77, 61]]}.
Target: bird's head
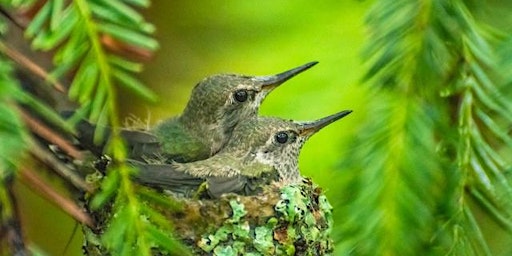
{"points": [[225, 99], [276, 142]]}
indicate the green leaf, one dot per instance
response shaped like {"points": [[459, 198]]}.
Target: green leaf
{"points": [[109, 185], [139, 3], [74, 49], [120, 230], [500, 133], [157, 219], [45, 111], [99, 133], [386, 185], [129, 36], [419, 51], [68, 62], [80, 87], [134, 85], [118, 10], [124, 64], [56, 14], [99, 103], [157, 199], [13, 134], [79, 115], [50, 39], [489, 102], [480, 51], [478, 241], [163, 240], [496, 213], [36, 26]]}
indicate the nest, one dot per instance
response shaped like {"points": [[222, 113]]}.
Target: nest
{"points": [[287, 220]]}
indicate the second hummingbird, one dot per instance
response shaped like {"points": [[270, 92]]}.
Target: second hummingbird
{"points": [[260, 151]]}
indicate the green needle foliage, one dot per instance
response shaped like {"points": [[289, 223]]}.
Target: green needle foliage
{"points": [[76, 30], [12, 130], [437, 137], [87, 39], [433, 153], [13, 135]]}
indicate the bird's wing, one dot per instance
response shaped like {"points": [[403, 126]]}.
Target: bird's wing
{"points": [[217, 186], [219, 165], [227, 173], [179, 143], [85, 136], [164, 176], [223, 178], [225, 164], [240, 184], [140, 144]]}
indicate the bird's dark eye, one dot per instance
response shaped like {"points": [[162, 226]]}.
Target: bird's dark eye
{"points": [[281, 137], [241, 95]]}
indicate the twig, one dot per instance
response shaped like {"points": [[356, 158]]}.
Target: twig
{"points": [[44, 131], [11, 18], [61, 169], [31, 66], [34, 182]]}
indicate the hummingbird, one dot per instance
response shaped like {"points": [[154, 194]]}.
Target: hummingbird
{"points": [[261, 150], [217, 104]]}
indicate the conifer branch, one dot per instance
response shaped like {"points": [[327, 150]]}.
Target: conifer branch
{"points": [[414, 160], [91, 40]]}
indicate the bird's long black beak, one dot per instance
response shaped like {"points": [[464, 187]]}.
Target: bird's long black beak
{"points": [[270, 82], [309, 128]]}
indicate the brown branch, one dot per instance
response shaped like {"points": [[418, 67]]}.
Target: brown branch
{"points": [[57, 166], [35, 183], [121, 48], [45, 132], [11, 18], [31, 66]]}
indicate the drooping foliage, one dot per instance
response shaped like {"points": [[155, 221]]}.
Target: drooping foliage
{"points": [[437, 137], [95, 47]]}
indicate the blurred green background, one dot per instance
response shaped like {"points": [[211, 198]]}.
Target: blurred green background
{"points": [[200, 38]]}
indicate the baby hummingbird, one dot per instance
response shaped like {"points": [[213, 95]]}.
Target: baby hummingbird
{"points": [[217, 104], [261, 150]]}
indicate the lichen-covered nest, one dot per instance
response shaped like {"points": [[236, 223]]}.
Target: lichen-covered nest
{"points": [[287, 220]]}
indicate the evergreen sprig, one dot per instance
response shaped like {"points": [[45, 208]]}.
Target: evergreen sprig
{"points": [[77, 30], [14, 137], [90, 41], [439, 141], [12, 131]]}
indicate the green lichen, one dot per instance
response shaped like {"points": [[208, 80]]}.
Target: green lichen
{"points": [[238, 211], [225, 251], [292, 204], [301, 225], [290, 220], [264, 240]]}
